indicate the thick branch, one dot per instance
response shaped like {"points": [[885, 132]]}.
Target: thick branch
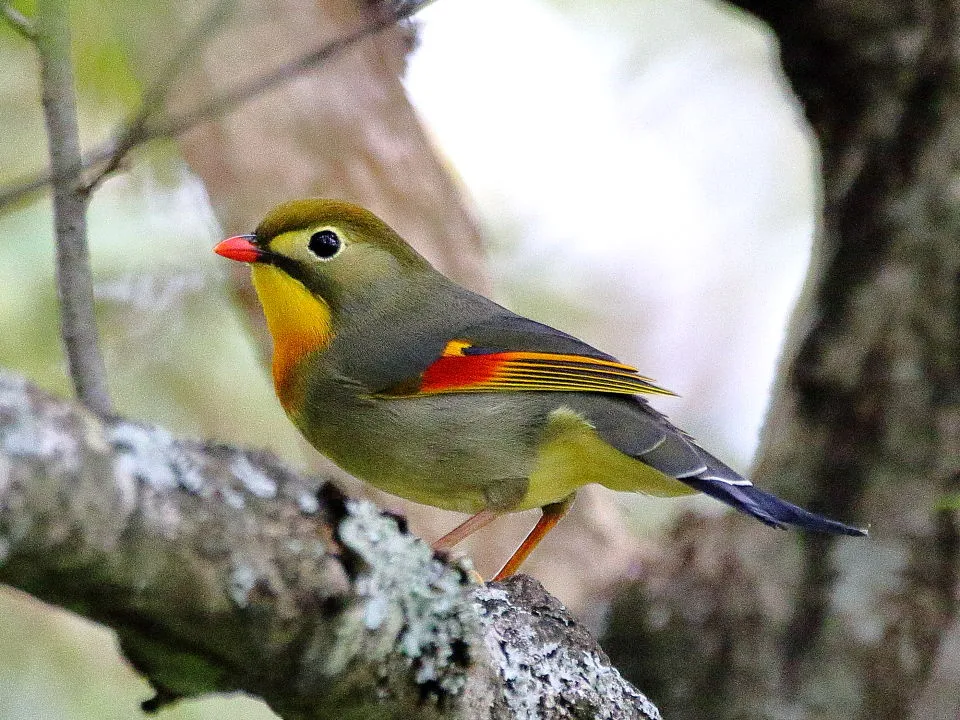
{"points": [[74, 278], [220, 570]]}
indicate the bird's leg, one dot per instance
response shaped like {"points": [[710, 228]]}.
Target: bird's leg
{"points": [[465, 529], [551, 516]]}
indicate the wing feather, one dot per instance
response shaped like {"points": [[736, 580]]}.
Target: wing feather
{"points": [[463, 367]]}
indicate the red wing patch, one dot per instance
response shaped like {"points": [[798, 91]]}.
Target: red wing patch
{"points": [[457, 372]]}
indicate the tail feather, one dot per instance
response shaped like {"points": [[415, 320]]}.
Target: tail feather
{"points": [[726, 485], [769, 508], [643, 433]]}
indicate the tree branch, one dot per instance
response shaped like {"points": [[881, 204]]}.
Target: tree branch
{"points": [[221, 570], [74, 277], [143, 128], [132, 133]]}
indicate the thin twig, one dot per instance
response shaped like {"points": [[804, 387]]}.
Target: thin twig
{"points": [[74, 277], [133, 130], [112, 153], [20, 22], [231, 99]]}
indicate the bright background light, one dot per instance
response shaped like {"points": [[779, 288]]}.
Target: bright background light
{"points": [[646, 178]]}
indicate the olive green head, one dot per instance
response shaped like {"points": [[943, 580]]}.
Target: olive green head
{"points": [[336, 250]]}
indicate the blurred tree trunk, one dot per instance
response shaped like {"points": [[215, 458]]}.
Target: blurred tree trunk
{"points": [[344, 129], [865, 421]]}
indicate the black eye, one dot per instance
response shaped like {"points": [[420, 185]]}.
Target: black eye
{"points": [[324, 244]]}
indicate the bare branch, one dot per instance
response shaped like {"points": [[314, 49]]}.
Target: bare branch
{"points": [[132, 133], [221, 570], [20, 22], [222, 105], [74, 277], [143, 128]]}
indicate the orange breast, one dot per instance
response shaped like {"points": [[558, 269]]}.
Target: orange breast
{"points": [[299, 322]]}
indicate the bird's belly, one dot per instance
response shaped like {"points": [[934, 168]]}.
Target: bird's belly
{"points": [[572, 455], [468, 452], [463, 453]]}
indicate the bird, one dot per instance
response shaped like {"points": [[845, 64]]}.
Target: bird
{"points": [[429, 391]]}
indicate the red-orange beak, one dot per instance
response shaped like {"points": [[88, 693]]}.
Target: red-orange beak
{"points": [[240, 248]]}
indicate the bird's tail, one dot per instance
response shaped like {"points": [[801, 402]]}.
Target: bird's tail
{"points": [[656, 442], [725, 485]]}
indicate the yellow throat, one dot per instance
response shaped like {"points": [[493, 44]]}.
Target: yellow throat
{"points": [[299, 322]]}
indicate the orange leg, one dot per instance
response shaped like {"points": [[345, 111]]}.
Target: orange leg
{"points": [[551, 516], [465, 529]]}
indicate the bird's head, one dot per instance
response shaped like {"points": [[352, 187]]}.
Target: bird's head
{"points": [[335, 250], [317, 263]]}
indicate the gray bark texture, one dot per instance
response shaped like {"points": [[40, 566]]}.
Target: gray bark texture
{"points": [[220, 570], [865, 421]]}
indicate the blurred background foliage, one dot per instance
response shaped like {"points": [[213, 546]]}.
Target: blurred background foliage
{"points": [[642, 179]]}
